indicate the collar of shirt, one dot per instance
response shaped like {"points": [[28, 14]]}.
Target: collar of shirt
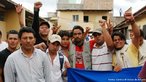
{"points": [[33, 54], [124, 49], [55, 59], [47, 52], [103, 45]]}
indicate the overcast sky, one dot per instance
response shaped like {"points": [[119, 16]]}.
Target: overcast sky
{"points": [[50, 5]]}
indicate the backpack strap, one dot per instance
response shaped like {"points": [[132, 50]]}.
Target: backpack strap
{"points": [[61, 59]]}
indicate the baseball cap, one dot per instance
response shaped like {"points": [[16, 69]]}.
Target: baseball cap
{"points": [[45, 23], [54, 38], [97, 31]]}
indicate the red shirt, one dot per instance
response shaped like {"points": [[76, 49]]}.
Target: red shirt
{"points": [[92, 42], [79, 58], [142, 73]]}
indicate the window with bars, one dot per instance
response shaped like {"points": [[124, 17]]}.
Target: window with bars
{"points": [[75, 18], [86, 19]]}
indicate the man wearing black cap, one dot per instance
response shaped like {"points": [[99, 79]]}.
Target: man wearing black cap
{"points": [[42, 29]]}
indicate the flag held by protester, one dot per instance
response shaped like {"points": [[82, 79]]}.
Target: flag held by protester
{"points": [[126, 75]]}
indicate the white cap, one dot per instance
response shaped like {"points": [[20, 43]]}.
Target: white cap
{"points": [[54, 38], [98, 30]]}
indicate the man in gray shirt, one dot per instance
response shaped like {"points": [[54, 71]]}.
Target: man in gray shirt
{"points": [[27, 64]]}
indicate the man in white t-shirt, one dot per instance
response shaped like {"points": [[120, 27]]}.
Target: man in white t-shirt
{"points": [[142, 47], [101, 52], [58, 65], [3, 44]]}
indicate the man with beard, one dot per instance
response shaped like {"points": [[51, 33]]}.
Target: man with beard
{"points": [[102, 48], [79, 52]]}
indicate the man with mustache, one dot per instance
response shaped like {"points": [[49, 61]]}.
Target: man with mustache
{"points": [[79, 52], [102, 48]]}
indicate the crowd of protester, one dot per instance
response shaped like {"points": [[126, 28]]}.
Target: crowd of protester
{"points": [[43, 58]]}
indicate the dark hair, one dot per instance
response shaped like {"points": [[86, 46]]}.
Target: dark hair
{"points": [[45, 23], [12, 32], [26, 29], [120, 34], [0, 32], [62, 33], [141, 33], [78, 27], [71, 34]]}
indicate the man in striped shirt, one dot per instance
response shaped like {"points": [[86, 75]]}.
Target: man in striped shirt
{"points": [[101, 52]]}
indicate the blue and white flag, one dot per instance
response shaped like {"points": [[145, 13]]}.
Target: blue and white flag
{"points": [[126, 75]]}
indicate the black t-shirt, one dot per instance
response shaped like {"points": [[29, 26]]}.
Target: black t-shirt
{"points": [[3, 56], [35, 26], [40, 40]]}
